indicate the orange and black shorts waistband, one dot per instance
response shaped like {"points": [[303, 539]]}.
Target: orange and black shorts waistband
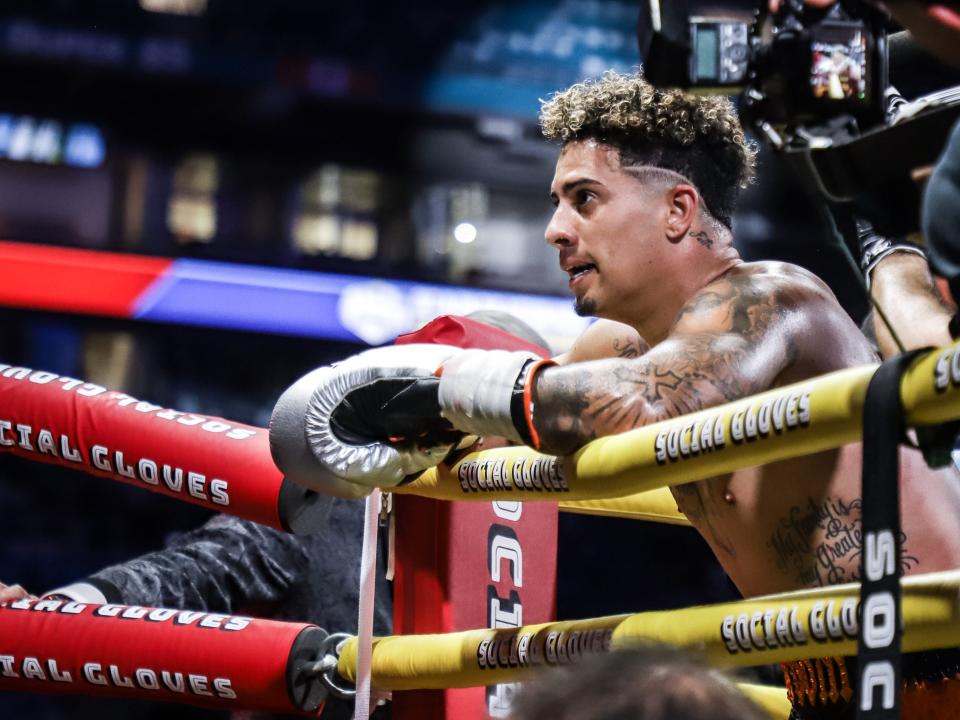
{"points": [[826, 689]]}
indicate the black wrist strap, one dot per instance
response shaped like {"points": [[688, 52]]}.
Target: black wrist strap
{"points": [[954, 326], [518, 408], [878, 652]]}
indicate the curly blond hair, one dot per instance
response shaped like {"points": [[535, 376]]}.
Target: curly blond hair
{"points": [[698, 137]]}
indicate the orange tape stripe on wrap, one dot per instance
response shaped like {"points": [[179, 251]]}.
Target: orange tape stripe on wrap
{"points": [[220, 464], [528, 399], [220, 661]]}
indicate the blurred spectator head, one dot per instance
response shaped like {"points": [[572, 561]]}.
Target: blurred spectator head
{"points": [[648, 683]]}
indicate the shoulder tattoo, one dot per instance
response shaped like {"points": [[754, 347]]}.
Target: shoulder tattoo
{"points": [[723, 346]]}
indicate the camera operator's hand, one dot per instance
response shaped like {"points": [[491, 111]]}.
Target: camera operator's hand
{"points": [[903, 287], [774, 5], [899, 279], [874, 248], [936, 26]]}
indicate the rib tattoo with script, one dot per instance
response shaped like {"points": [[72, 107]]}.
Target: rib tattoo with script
{"points": [[820, 543]]}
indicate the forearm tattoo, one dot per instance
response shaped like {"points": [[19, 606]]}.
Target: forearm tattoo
{"points": [[820, 543], [726, 344]]}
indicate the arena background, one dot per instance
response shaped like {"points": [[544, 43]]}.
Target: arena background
{"points": [[344, 137]]}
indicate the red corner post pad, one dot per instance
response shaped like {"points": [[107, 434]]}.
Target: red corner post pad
{"points": [[463, 565]]}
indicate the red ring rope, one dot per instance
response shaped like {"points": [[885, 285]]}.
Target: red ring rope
{"points": [[220, 661]]}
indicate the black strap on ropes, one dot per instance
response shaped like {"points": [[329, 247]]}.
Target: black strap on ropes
{"points": [[878, 653], [954, 326]]}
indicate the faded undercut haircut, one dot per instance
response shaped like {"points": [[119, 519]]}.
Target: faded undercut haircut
{"points": [[699, 137]]}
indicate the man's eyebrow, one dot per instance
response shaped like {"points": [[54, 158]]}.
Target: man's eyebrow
{"points": [[572, 185]]}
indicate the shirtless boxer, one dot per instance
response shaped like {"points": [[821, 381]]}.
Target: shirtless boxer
{"points": [[644, 190]]}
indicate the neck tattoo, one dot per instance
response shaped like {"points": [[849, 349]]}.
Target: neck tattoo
{"points": [[702, 238]]}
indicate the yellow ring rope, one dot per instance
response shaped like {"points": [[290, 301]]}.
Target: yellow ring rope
{"points": [[653, 505], [807, 417], [774, 628], [772, 700]]}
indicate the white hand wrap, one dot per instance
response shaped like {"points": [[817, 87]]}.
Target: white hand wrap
{"points": [[80, 592], [310, 453], [476, 388]]}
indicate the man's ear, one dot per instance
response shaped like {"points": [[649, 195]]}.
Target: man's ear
{"points": [[683, 201]]}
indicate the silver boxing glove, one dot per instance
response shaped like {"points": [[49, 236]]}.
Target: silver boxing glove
{"points": [[371, 420]]}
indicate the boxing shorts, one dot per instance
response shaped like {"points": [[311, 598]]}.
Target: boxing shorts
{"points": [[825, 688]]}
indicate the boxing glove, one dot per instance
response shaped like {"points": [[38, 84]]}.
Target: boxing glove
{"points": [[371, 420], [382, 416]]}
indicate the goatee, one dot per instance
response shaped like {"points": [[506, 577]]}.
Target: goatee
{"points": [[584, 307]]}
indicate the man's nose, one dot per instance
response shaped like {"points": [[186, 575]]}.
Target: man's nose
{"points": [[560, 232]]}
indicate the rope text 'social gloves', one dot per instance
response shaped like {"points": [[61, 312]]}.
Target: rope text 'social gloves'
{"points": [[488, 393], [369, 421]]}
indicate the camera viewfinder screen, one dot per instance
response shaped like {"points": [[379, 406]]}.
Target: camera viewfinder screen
{"points": [[706, 53], [839, 63]]}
